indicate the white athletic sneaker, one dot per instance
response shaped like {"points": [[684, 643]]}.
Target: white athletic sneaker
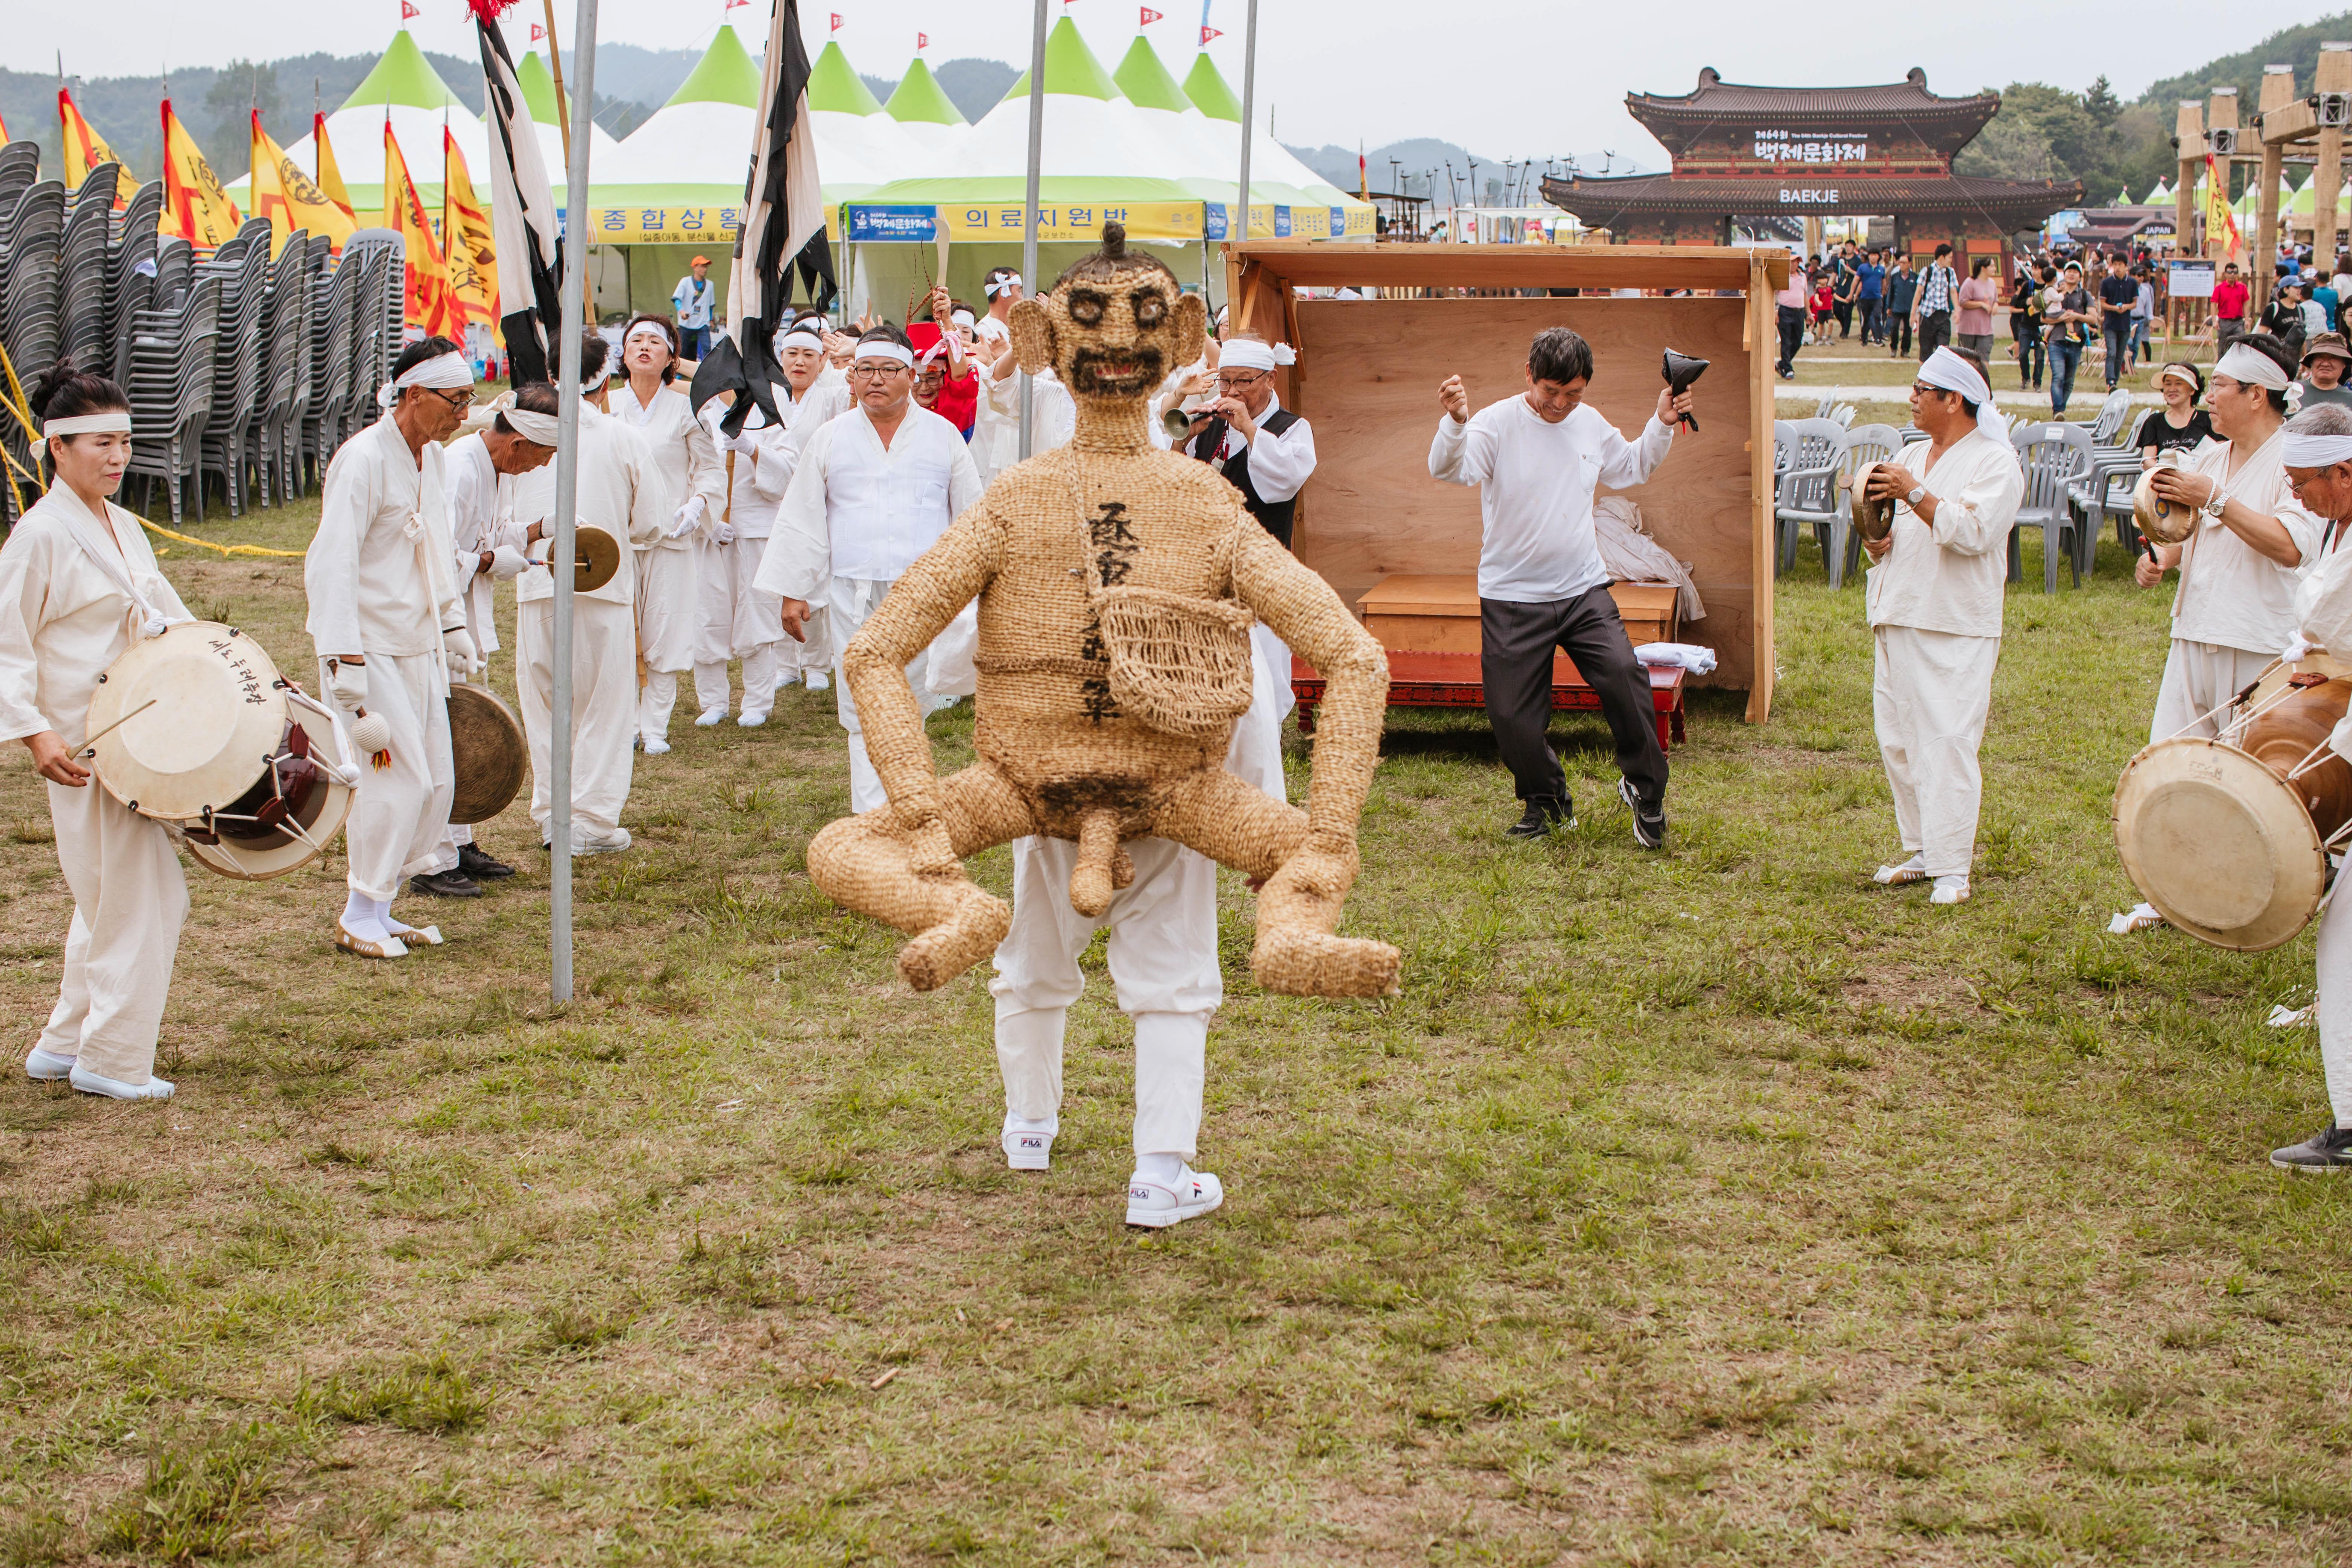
{"points": [[750, 719], [709, 716], [655, 747], [46, 1066], [818, 680], [1915, 870], [611, 843], [1156, 1207], [1027, 1149], [1949, 891], [89, 1082]]}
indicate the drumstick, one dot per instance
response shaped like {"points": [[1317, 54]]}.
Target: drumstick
{"points": [[84, 749]]}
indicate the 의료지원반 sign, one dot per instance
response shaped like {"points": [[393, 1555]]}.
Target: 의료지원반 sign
{"points": [[877, 223]]}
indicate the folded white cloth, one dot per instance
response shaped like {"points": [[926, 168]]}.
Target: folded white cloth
{"points": [[1632, 555], [1690, 656], [2286, 1017]]}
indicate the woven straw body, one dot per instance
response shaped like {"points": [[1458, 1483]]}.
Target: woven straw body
{"points": [[1116, 585]]}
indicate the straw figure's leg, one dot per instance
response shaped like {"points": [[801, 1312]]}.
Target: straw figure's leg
{"points": [[912, 878], [1308, 879]]}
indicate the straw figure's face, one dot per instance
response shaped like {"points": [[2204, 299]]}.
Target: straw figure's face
{"points": [[1112, 329]]}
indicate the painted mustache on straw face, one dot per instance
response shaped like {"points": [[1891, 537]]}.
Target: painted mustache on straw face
{"points": [[1117, 372]]}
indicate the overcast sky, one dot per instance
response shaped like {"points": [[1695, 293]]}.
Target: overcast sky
{"points": [[1504, 77]]}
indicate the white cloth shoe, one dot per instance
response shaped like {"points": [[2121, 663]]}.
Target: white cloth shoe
{"points": [[750, 719], [1949, 891], [1155, 1206], [1027, 1148], [817, 681], [611, 843], [89, 1082], [709, 716], [1915, 870], [368, 946], [46, 1066], [655, 747]]}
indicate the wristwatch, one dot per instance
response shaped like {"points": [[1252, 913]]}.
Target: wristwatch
{"points": [[2214, 508], [1918, 493]]}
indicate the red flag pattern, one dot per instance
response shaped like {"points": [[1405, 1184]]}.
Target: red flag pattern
{"points": [[537, 32], [836, 21], [1207, 32], [409, 13], [1148, 18], [922, 40]]}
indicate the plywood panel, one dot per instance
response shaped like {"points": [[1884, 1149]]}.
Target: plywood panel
{"points": [[1319, 264], [1369, 383]]}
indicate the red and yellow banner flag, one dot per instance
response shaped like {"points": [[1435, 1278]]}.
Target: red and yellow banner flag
{"points": [[284, 195], [428, 305], [86, 150], [330, 178], [2221, 223], [465, 237], [195, 206]]}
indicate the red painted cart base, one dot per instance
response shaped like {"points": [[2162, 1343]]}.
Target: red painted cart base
{"points": [[1451, 681]]}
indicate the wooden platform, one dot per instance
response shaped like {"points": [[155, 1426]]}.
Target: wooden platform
{"points": [[1451, 680], [1419, 612]]}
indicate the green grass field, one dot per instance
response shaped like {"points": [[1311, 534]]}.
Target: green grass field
{"points": [[1711, 1207]]}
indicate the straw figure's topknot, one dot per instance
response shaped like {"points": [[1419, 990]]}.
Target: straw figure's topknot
{"points": [[1114, 245]]}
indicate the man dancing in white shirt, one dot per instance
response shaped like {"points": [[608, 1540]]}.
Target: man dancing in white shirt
{"points": [[389, 627], [872, 491], [1537, 458], [482, 471], [1935, 606]]}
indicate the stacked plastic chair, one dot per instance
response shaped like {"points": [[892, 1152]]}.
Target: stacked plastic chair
{"points": [[169, 353], [242, 268], [83, 281], [383, 306], [324, 418], [32, 237], [20, 165]]}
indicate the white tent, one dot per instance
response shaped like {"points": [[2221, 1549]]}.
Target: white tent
{"points": [[931, 127], [696, 145], [858, 146]]}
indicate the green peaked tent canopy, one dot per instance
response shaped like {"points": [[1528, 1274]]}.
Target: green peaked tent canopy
{"points": [[1070, 68], [1208, 91], [835, 86], [1146, 81], [725, 74], [538, 88], [920, 101], [404, 77]]}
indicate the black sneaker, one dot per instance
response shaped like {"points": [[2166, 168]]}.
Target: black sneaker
{"points": [[450, 884], [1543, 816], [1649, 820], [2329, 1148], [480, 865]]}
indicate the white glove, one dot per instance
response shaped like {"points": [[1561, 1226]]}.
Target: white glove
{"points": [[688, 516], [349, 684], [726, 533], [507, 562], [458, 643]]}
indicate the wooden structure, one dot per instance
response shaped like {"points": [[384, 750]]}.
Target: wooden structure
{"points": [[2321, 118], [1368, 373], [1744, 152]]}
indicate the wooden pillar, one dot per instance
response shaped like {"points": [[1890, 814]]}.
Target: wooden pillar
{"points": [[2334, 75], [1812, 239], [2278, 91], [2220, 114], [2189, 129]]}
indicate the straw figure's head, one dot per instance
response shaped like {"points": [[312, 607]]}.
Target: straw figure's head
{"points": [[1114, 326]]}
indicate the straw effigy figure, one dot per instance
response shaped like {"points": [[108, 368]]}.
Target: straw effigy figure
{"points": [[1117, 586]]}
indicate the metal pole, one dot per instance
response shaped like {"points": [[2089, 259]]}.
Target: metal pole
{"points": [[559, 548], [1037, 159], [1249, 124]]}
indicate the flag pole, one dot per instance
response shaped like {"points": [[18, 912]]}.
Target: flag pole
{"points": [[560, 552], [1029, 234], [1249, 112], [555, 69]]}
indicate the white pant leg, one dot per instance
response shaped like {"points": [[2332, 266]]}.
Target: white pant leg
{"points": [[1255, 754], [1163, 963], [130, 901], [710, 685], [398, 811], [668, 605], [715, 595], [2200, 676], [1939, 688], [443, 857], [853, 600], [656, 703], [2334, 965], [604, 710], [1889, 719], [759, 669], [798, 659]]}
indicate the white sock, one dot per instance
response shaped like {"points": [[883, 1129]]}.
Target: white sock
{"points": [[1952, 884], [1050, 1126], [1165, 1169], [364, 917]]}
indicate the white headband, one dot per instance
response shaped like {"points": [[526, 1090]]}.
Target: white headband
{"points": [[961, 317], [884, 350], [2316, 452], [1248, 354], [2252, 368], [438, 374], [803, 329], [115, 423], [1009, 280], [538, 428], [595, 381], [1949, 372]]}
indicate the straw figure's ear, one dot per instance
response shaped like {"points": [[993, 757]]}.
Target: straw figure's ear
{"points": [[1192, 327], [1033, 336]]}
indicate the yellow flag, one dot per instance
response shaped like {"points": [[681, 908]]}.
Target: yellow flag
{"points": [[330, 178], [86, 150], [465, 237], [195, 206], [2221, 224], [428, 304], [284, 195]]}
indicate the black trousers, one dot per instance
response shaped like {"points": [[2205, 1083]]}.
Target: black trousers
{"points": [[1935, 332], [1516, 644], [1792, 321], [1898, 331]]}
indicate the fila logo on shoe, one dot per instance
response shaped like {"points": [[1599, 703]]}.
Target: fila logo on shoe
{"points": [[1138, 1194], [1031, 1140]]}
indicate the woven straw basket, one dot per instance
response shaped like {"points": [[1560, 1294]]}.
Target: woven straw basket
{"points": [[1179, 663]]}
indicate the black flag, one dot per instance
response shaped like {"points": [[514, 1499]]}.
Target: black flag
{"points": [[522, 211], [784, 221]]}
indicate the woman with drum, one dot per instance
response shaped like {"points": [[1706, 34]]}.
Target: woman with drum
{"points": [[2235, 606], [78, 586], [669, 572]]}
